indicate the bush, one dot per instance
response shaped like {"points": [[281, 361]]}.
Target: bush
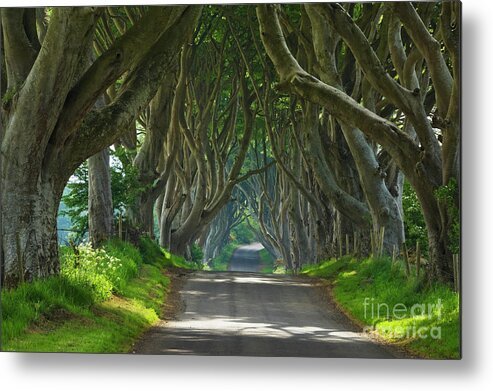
{"points": [[87, 278], [125, 251], [197, 254], [414, 222], [102, 271], [448, 195], [242, 233], [221, 262], [266, 261]]}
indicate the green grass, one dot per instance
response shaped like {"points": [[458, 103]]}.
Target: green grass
{"points": [[73, 312], [378, 295], [110, 326], [159, 256], [221, 262], [171, 260], [266, 262], [151, 252], [29, 302]]}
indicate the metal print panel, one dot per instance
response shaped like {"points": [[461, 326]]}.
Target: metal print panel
{"points": [[250, 180]]}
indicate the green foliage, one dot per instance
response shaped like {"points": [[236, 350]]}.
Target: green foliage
{"points": [[125, 184], [357, 285], [101, 271], [242, 233], [414, 223], [29, 301], [266, 261], [326, 269], [221, 262], [8, 96], [75, 199], [357, 11], [172, 260], [87, 276], [448, 195], [109, 326], [149, 288], [125, 188], [152, 253], [197, 253], [64, 225], [76, 311], [124, 251]]}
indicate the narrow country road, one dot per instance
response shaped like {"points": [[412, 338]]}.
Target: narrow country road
{"points": [[253, 314], [246, 258]]}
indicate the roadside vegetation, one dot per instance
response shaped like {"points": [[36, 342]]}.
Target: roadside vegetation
{"points": [[266, 262], [377, 294], [236, 235], [102, 300], [221, 262], [317, 129]]}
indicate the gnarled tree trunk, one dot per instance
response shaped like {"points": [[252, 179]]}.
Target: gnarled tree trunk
{"points": [[29, 222], [48, 127]]}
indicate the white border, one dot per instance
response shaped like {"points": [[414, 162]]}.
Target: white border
{"points": [[474, 372]]}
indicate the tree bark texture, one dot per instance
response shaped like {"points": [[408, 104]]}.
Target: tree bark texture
{"points": [[100, 206], [50, 127]]}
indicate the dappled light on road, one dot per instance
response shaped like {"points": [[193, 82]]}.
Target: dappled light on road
{"points": [[256, 315]]}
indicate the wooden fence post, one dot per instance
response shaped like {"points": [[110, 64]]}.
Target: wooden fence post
{"points": [[382, 239], [394, 253], [347, 244], [120, 228], [406, 259], [456, 269], [355, 251], [418, 258]]}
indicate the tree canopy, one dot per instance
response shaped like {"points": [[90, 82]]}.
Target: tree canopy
{"points": [[326, 128]]}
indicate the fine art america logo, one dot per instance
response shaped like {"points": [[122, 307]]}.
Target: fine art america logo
{"points": [[409, 315]]}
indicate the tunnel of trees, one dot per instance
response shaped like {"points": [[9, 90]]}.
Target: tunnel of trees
{"points": [[320, 128]]}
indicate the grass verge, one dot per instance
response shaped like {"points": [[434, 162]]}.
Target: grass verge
{"points": [[221, 262], [153, 254], [101, 301], [266, 261], [422, 319]]}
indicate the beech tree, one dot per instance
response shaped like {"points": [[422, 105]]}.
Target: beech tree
{"points": [[427, 155], [153, 161], [328, 159], [307, 118], [49, 126], [211, 125], [217, 233], [100, 204]]}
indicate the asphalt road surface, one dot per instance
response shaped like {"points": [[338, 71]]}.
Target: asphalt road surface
{"points": [[252, 314], [246, 258]]}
